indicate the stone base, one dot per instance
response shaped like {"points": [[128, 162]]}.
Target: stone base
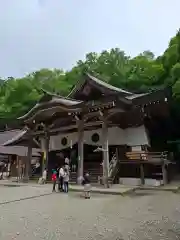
{"points": [[25, 179], [153, 182], [130, 181], [79, 180], [137, 182]]}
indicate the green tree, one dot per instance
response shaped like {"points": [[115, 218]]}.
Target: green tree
{"points": [[141, 73]]}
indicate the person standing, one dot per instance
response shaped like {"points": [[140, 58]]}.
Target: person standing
{"points": [[61, 176], [66, 180], [87, 186], [54, 179], [67, 164], [66, 161]]}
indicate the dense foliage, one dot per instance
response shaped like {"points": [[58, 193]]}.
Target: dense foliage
{"points": [[142, 73]]}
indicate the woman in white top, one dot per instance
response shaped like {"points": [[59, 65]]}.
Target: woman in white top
{"points": [[61, 179]]}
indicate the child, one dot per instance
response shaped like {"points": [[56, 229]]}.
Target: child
{"points": [[87, 186], [54, 179], [66, 180]]}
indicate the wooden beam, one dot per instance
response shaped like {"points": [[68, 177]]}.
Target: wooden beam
{"points": [[36, 142], [55, 108], [99, 112], [113, 112], [65, 128]]}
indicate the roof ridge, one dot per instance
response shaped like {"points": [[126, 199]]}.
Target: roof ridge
{"points": [[58, 95], [12, 130], [98, 81], [78, 84], [106, 84]]}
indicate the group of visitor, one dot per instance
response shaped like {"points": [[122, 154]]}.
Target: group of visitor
{"points": [[61, 176]]}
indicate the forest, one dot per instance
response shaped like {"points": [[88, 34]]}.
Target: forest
{"points": [[142, 73]]}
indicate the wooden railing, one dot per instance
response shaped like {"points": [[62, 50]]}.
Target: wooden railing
{"points": [[112, 166], [113, 169]]}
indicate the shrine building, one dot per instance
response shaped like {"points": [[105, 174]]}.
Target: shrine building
{"points": [[96, 123]]}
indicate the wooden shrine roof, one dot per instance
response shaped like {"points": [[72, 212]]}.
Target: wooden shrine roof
{"points": [[82, 86], [89, 95], [50, 101]]}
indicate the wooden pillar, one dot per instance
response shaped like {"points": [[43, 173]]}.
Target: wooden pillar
{"points": [[80, 150], [45, 149], [164, 174], [28, 163], [105, 147], [47, 140], [117, 166], [142, 173], [17, 168], [9, 165], [42, 140], [164, 168]]}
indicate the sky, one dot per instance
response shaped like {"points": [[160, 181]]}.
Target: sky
{"points": [[38, 34]]}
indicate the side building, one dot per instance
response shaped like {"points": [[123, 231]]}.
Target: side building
{"points": [[13, 158]]}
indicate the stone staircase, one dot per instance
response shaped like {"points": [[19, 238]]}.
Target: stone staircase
{"points": [[73, 177], [93, 169]]}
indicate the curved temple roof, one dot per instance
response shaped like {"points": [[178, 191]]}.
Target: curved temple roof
{"points": [[98, 83], [52, 103], [63, 103]]}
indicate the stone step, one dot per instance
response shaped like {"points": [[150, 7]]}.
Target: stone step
{"points": [[90, 173], [93, 178]]}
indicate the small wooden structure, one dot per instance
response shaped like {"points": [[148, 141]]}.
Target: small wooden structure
{"points": [[15, 156], [146, 158]]}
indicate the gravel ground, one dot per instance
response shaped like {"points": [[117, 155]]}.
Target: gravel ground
{"points": [[10, 194], [144, 215]]}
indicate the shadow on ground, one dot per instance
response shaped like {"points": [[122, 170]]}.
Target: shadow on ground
{"points": [[141, 193], [80, 195]]}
